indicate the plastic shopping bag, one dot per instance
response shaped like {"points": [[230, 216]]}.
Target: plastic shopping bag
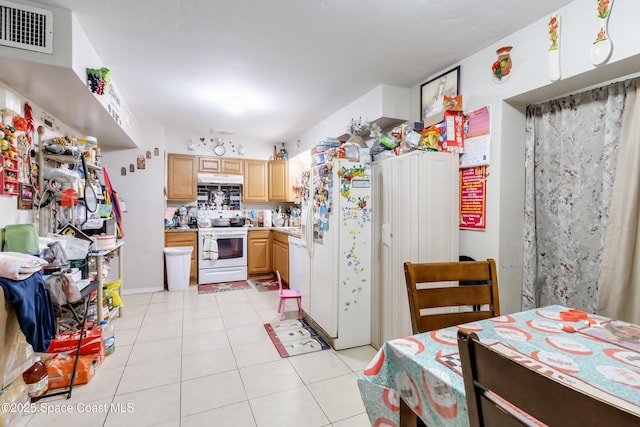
{"points": [[62, 288]]}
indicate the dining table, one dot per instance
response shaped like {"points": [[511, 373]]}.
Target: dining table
{"points": [[421, 375]]}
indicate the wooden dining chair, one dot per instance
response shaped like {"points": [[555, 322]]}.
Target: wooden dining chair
{"points": [[503, 392], [460, 300]]}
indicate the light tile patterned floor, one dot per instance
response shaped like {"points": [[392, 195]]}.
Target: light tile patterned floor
{"points": [[188, 360]]}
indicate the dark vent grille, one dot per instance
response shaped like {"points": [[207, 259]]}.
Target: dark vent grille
{"points": [[26, 27]]}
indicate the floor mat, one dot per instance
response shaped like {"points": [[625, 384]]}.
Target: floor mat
{"points": [[264, 285], [210, 288], [294, 337]]}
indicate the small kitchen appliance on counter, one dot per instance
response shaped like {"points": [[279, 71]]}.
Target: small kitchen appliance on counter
{"points": [[193, 216], [183, 218]]}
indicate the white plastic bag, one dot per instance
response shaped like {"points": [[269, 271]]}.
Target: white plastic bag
{"points": [[55, 254], [62, 288]]}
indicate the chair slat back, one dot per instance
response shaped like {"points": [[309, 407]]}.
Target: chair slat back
{"points": [[503, 392], [456, 297]]}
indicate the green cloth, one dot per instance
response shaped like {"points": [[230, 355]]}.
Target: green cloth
{"points": [[21, 238]]}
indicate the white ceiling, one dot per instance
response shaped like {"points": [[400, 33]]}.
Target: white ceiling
{"points": [[301, 59]]}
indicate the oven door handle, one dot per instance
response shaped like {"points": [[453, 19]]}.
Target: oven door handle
{"points": [[222, 237], [224, 234], [230, 236]]}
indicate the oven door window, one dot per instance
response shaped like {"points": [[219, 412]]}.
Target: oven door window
{"points": [[230, 247]]}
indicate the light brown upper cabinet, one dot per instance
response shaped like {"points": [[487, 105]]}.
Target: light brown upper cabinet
{"points": [[181, 177], [209, 165], [255, 181], [232, 166], [216, 165], [282, 178]]}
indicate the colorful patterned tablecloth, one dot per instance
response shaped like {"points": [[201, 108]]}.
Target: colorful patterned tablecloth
{"points": [[424, 369]]}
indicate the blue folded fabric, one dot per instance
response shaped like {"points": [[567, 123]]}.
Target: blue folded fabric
{"points": [[32, 303]]}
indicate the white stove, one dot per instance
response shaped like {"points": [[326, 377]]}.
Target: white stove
{"points": [[222, 254]]}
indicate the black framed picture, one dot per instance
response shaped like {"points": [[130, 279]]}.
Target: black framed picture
{"points": [[432, 93]]}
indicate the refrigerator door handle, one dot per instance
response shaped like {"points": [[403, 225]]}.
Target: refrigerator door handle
{"points": [[386, 234], [308, 229]]}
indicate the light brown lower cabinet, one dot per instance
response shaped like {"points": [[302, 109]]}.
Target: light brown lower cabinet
{"points": [[173, 239], [259, 252], [280, 255]]}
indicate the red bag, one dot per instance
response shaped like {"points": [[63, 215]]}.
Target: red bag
{"points": [[68, 343], [60, 368]]}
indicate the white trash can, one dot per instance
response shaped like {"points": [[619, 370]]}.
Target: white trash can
{"points": [[178, 267]]}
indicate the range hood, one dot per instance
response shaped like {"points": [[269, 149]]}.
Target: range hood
{"points": [[219, 178]]}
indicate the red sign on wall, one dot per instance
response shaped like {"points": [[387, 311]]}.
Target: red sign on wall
{"points": [[473, 198]]}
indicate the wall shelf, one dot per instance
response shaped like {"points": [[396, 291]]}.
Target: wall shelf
{"points": [[9, 183]]}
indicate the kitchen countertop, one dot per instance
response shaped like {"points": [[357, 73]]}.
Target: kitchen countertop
{"points": [[290, 231], [177, 230]]}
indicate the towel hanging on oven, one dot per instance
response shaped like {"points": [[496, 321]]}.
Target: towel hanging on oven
{"points": [[210, 246]]}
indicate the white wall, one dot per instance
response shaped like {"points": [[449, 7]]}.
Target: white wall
{"points": [[143, 224], [11, 214], [383, 101], [252, 150]]}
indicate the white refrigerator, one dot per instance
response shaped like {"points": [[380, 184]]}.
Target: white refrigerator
{"points": [[337, 230]]}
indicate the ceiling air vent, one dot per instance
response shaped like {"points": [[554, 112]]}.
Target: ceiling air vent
{"points": [[26, 27]]}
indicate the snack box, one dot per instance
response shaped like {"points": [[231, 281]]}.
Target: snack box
{"points": [[453, 132], [452, 103], [68, 343]]}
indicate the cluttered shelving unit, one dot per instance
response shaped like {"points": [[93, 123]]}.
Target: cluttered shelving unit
{"points": [[57, 179], [97, 258], [85, 191], [71, 197], [82, 326]]}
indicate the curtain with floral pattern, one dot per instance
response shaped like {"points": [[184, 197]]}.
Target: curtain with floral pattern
{"points": [[570, 161]]}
